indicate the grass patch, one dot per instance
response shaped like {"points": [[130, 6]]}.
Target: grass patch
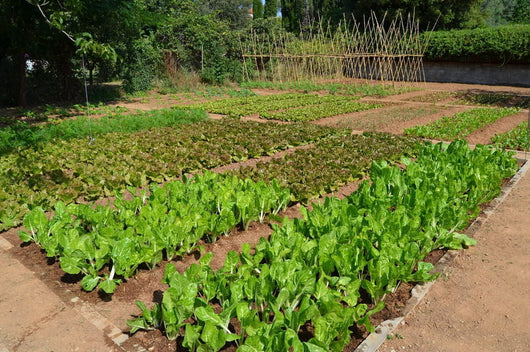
{"points": [[24, 135]]}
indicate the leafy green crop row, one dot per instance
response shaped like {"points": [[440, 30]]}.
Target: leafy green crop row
{"points": [[315, 112], [260, 106], [331, 163], [68, 169], [341, 88], [226, 103], [23, 135], [514, 139], [461, 124], [302, 289], [168, 223]]}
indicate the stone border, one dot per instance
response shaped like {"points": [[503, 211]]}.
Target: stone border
{"points": [[377, 338]]}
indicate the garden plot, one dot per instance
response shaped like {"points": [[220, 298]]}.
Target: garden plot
{"points": [[377, 207], [516, 139], [336, 291]]}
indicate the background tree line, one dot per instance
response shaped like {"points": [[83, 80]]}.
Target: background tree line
{"points": [[45, 43]]}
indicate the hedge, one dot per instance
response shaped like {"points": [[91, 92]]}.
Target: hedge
{"points": [[497, 45]]}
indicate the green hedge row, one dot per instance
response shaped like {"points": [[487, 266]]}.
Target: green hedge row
{"points": [[499, 45]]}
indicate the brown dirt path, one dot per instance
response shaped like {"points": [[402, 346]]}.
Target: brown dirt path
{"points": [[481, 303], [35, 319]]}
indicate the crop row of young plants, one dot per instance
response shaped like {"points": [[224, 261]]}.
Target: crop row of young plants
{"points": [[461, 124], [377, 90], [315, 112], [68, 169], [263, 104], [167, 223], [303, 289], [205, 92], [23, 135], [256, 99], [330, 163], [517, 139]]}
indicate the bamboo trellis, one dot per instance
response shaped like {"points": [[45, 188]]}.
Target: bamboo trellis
{"points": [[371, 50]]}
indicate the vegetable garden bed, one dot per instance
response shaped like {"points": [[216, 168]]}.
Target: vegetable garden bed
{"points": [[308, 286]]}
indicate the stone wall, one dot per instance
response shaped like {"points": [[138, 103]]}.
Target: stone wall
{"points": [[454, 72]]}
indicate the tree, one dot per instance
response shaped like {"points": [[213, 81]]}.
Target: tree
{"points": [[498, 12], [27, 37], [270, 9], [521, 12], [292, 14], [257, 9], [446, 14], [234, 12]]}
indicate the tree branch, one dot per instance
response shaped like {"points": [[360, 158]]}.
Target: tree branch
{"points": [[39, 6]]}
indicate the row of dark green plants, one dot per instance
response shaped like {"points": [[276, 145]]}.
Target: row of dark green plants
{"points": [[331, 163]]}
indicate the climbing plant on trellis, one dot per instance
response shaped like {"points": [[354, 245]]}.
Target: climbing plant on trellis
{"points": [[371, 49]]}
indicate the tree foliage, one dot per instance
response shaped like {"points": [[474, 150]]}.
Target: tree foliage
{"points": [[45, 43], [257, 9], [270, 9], [446, 14]]}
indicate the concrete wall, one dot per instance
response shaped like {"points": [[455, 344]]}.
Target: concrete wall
{"points": [[511, 75]]}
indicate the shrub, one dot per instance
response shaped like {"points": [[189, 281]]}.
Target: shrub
{"points": [[504, 44]]}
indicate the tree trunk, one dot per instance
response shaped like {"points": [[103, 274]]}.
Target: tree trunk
{"points": [[21, 62]]}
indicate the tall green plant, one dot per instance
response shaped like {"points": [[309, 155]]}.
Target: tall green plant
{"points": [[270, 9], [257, 9]]}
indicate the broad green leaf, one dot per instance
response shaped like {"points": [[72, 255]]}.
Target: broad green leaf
{"points": [[89, 282], [108, 286], [206, 314]]}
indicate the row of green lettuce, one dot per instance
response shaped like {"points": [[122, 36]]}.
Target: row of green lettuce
{"points": [[516, 139], [67, 170], [315, 278], [375, 90], [319, 111], [498, 45], [461, 124], [107, 244], [286, 107]]}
